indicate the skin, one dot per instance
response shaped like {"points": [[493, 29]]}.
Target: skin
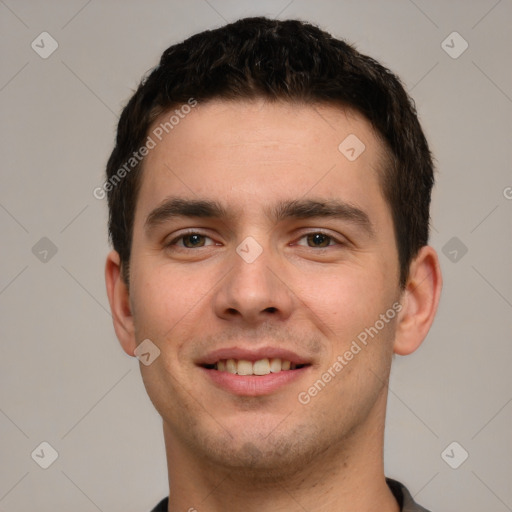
{"points": [[229, 452]]}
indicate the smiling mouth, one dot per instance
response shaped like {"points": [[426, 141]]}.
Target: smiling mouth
{"points": [[244, 367]]}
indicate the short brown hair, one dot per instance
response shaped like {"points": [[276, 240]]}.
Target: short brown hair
{"points": [[280, 60]]}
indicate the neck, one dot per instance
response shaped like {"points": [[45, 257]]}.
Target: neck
{"points": [[348, 476]]}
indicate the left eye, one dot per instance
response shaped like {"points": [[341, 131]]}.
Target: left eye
{"points": [[319, 240]]}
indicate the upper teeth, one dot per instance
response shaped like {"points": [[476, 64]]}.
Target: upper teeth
{"points": [[260, 367]]}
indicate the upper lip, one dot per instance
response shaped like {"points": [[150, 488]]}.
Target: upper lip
{"points": [[253, 354]]}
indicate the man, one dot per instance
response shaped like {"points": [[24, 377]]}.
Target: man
{"points": [[269, 199]]}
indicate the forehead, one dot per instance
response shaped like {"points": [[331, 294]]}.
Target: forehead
{"points": [[249, 152]]}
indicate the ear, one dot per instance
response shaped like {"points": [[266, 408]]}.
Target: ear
{"points": [[419, 301], [119, 299]]}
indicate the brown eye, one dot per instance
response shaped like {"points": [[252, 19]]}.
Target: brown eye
{"points": [[193, 240], [318, 240]]}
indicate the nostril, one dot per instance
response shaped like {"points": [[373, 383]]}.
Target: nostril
{"points": [[271, 309]]}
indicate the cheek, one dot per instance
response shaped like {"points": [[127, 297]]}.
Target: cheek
{"points": [[347, 298], [164, 299]]}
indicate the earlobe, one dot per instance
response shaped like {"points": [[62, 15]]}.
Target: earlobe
{"points": [[420, 300], [119, 300]]}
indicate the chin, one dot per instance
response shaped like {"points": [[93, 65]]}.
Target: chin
{"points": [[262, 455]]}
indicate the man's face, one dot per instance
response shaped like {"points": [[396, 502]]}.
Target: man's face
{"points": [[301, 260]]}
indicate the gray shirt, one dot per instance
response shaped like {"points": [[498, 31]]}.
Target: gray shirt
{"points": [[400, 492], [404, 498]]}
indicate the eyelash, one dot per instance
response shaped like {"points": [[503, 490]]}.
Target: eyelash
{"points": [[318, 232]]}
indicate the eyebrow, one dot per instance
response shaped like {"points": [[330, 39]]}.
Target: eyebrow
{"points": [[333, 208], [178, 207], [298, 209]]}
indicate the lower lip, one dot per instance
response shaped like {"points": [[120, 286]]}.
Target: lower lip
{"points": [[254, 385]]}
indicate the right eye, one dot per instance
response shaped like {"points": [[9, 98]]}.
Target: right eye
{"points": [[191, 240]]}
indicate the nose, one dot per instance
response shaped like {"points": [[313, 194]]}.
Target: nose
{"points": [[253, 291]]}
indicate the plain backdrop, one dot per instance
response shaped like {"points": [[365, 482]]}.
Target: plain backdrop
{"points": [[64, 378]]}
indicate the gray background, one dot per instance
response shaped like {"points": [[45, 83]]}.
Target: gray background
{"points": [[64, 377]]}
